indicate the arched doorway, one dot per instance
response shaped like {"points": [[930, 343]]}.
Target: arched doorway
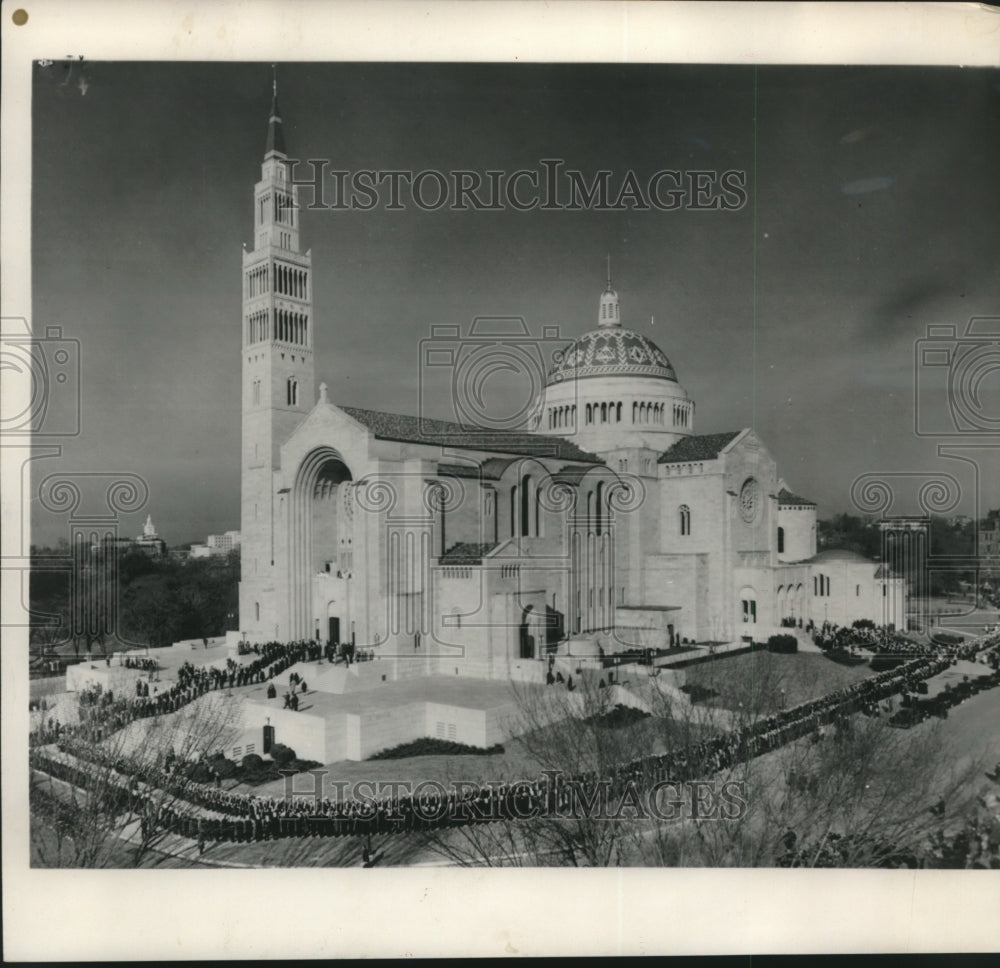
{"points": [[333, 624], [526, 640], [320, 532]]}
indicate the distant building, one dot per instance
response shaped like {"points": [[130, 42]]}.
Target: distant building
{"points": [[148, 542], [216, 544], [989, 542]]}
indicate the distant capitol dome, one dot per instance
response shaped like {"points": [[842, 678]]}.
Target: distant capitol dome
{"points": [[611, 351]]}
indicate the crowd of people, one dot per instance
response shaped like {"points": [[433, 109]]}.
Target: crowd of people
{"points": [[915, 710], [140, 662], [866, 635], [230, 816], [101, 714], [243, 817]]}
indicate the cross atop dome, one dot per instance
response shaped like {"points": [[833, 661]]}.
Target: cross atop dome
{"points": [[609, 312]]}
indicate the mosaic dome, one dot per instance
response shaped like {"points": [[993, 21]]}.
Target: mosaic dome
{"points": [[611, 351]]}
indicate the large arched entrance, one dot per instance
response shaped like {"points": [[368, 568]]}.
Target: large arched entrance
{"points": [[320, 533]]}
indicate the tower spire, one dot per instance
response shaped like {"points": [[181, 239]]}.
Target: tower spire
{"points": [[275, 135], [609, 312]]}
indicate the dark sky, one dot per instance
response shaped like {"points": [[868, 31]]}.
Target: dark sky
{"points": [[873, 212]]}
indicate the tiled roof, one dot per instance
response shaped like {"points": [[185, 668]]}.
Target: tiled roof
{"points": [[445, 433], [461, 470], [787, 499], [570, 474], [698, 447], [466, 553]]}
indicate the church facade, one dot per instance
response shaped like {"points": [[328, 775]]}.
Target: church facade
{"points": [[607, 523]]}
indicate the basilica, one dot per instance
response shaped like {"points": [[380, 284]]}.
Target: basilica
{"points": [[606, 523]]}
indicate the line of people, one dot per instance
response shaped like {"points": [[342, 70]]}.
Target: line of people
{"points": [[253, 817], [102, 714]]}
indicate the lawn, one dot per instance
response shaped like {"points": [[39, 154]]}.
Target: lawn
{"points": [[770, 681]]}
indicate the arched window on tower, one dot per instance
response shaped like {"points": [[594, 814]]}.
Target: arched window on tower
{"points": [[599, 507], [618, 412], [293, 392], [781, 541], [604, 413], [684, 513], [513, 510]]}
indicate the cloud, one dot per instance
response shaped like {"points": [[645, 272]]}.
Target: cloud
{"points": [[904, 308], [863, 186]]}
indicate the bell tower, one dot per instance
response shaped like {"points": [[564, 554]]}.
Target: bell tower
{"points": [[278, 368]]}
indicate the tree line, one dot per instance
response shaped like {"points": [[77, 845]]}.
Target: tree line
{"points": [[87, 600]]}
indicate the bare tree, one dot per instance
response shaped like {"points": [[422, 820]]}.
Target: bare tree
{"points": [[856, 793], [74, 821], [167, 749], [110, 803]]}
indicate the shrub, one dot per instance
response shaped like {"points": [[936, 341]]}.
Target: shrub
{"points": [[251, 762], [282, 754], [697, 692], [225, 768], [619, 717], [431, 746], [945, 638], [783, 644]]}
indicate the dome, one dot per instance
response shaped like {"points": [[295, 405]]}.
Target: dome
{"points": [[611, 351], [839, 554]]}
